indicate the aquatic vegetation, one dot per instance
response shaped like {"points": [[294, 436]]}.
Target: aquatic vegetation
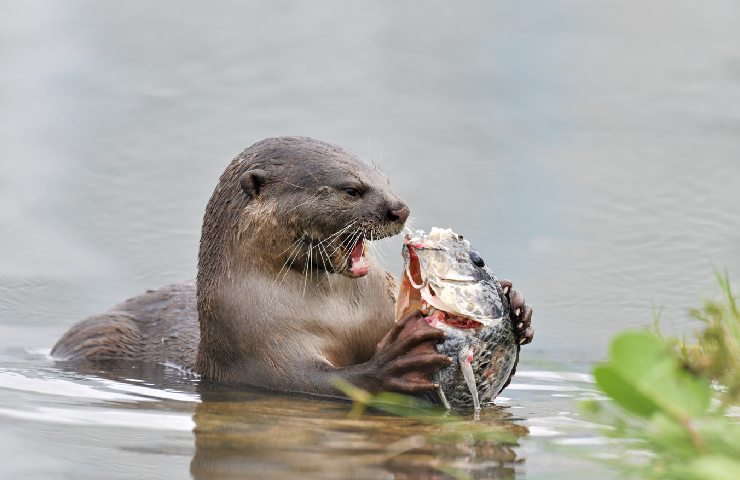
{"points": [[716, 352], [676, 397]]}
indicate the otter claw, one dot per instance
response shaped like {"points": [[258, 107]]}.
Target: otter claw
{"points": [[527, 336]]}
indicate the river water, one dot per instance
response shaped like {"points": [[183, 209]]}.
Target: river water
{"points": [[590, 150]]}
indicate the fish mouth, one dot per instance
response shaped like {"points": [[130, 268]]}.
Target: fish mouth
{"points": [[437, 318], [416, 294]]}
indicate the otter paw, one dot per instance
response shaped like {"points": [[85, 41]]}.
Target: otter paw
{"points": [[406, 359], [521, 314]]}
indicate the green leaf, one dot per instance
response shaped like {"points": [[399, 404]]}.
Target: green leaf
{"points": [[709, 468], [644, 376], [669, 436], [404, 405], [622, 391], [722, 435]]}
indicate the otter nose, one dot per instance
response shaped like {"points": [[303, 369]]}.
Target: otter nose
{"points": [[399, 214]]}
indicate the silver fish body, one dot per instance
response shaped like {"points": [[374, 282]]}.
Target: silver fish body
{"points": [[493, 359], [447, 279]]}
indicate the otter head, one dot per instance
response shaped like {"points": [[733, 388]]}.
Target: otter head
{"points": [[310, 205]]}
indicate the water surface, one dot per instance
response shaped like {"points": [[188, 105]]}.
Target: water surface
{"points": [[590, 151]]}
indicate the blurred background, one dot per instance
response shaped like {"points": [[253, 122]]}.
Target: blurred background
{"points": [[590, 150]]}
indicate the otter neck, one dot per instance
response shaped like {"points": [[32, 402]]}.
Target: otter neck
{"points": [[251, 261]]}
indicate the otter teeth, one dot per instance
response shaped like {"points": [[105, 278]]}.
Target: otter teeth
{"points": [[358, 263]]}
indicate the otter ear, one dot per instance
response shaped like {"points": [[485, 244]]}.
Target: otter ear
{"points": [[252, 181]]}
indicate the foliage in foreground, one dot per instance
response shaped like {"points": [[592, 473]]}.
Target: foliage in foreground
{"points": [[677, 398]]}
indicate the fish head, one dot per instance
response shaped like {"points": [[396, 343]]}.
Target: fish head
{"points": [[446, 278]]}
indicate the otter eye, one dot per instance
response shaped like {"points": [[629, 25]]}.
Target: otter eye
{"points": [[352, 192], [476, 259]]}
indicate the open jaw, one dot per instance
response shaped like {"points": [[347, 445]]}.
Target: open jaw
{"points": [[416, 294], [357, 263]]}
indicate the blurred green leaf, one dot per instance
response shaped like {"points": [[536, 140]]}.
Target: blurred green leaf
{"points": [[664, 383], [722, 435], [644, 376], [622, 391], [669, 436], [711, 467]]}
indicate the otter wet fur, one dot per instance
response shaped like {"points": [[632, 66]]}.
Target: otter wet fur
{"points": [[287, 296]]}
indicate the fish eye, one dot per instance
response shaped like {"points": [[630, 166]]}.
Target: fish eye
{"points": [[476, 259]]}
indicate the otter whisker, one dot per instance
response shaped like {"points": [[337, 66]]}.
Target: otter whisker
{"points": [[349, 244], [288, 263], [343, 229], [301, 204], [295, 250], [339, 232], [370, 244], [310, 258], [279, 279], [300, 239], [409, 226], [323, 260], [377, 249], [352, 242], [305, 277]]}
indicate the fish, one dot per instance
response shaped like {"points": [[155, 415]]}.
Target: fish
{"points": [[456, 291]]}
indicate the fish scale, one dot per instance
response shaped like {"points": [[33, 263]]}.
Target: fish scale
{"points": [[497, 349], [447, 279]]}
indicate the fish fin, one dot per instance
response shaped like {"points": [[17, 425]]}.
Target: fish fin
{"points": [[469, 375]]}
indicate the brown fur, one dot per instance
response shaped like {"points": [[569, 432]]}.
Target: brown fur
{"points": [[256, 324]]}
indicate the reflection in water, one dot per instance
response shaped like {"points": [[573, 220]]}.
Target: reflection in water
{"points": [[241, 434], [258, 434], [215, 432]]}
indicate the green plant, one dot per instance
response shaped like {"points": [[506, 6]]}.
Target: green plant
{"points": [[675, 396], [716, 353]]}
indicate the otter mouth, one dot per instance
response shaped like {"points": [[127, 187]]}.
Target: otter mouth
{"points": [[357, 263], [343, 255], [345, 252]]}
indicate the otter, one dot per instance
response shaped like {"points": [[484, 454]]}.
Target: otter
{"points": [[286, 297]]}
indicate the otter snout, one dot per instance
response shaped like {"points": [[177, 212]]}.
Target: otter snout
{"points": [[399, 214]]}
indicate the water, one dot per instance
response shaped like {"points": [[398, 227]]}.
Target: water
{"points": [[590, 151]]}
